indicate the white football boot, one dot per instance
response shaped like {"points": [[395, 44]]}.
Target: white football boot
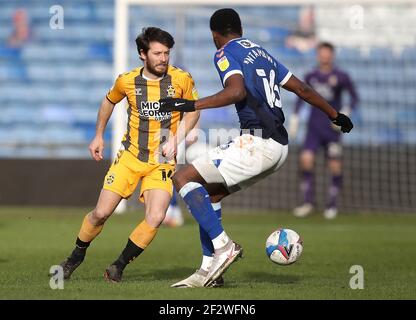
{"points": [[223, 258], [303, 210], [331, 213], [197, 280]]}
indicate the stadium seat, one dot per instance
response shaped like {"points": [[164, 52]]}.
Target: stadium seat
{"points": [[45, 73]]}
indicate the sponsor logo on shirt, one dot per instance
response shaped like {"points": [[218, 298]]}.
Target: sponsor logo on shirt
{"points": [[247, 43], [150, 109], [223, 63]]}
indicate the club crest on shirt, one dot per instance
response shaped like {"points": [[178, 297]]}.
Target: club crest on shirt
{"points": [[170, 91], [223, 63], [333, 80]]}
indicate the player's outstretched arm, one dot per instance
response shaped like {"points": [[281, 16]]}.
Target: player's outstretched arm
{"points": [[97, 144], [234, 91], [188, 122], [312, 97]]}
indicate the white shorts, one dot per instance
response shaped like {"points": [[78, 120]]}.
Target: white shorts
{"points": [[242, 162]]}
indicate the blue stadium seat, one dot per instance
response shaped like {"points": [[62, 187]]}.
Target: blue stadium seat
{"points": [[409, 54], [8, 52], [58, 78], [100, 51], [381, 54], [348, 53]]}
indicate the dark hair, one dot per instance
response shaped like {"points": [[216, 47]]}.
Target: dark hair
{"points": [[327, 45], [226, 21], [151, 34]]}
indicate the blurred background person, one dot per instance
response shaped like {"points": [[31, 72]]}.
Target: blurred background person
{"points": [[303, 38], [330, 82], [21, 29]]}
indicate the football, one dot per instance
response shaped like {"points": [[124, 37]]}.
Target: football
{"points": [[284, 246]]}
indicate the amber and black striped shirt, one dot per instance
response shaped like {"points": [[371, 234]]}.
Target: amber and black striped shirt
{"points": [[147, 128]]}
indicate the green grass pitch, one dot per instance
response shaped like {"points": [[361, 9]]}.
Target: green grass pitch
{"points": [[34, 239]]}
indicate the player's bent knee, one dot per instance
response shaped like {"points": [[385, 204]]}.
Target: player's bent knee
{"points": [[155, 218], [307, 160], [99, 216], [179, 180], [307, 166], [216, 198], [176, 181], [185, 175], [335, 167]]}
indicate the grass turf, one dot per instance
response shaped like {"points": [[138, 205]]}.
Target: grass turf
{"points": [[33, 239]]}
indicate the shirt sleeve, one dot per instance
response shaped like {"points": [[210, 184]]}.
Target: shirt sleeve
{"points": [[349, 86], [226, 65], [116, 93], [283, 74], [189, 90]]}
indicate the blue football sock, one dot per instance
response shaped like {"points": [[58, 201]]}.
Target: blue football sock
{"points": [[199, 204], [174, 200], [206, 243]]}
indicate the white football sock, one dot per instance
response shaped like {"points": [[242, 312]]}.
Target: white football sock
{"points": [[216, 205], [220, 241], [206, 263]]}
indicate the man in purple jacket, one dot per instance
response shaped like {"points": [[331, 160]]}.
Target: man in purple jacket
{"points": [[330, 82]]}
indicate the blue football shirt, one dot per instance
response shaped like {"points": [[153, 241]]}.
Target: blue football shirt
{"points": [[263, 77]]}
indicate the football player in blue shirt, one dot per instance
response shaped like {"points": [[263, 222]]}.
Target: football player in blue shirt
{"points": [[252, 79]]}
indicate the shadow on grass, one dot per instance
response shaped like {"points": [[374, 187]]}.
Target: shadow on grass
{"points": [[174, 274], [161, 274], [271, 278], [137, 274]]}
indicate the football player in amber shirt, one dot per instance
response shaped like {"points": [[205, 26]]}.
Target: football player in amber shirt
{"points": [[148, 148]]}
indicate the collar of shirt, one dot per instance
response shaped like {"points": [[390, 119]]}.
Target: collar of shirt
{"points": [[235, 39]]}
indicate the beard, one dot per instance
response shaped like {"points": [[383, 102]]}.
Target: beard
{"points": [[153, 70]]}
